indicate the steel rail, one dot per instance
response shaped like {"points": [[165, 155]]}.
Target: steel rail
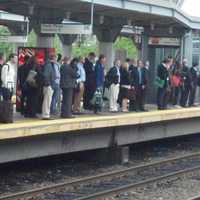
{"points": [[195, 198], [130, 187], [77, 182]]}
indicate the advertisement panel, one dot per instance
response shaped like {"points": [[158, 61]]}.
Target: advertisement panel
{"points": [[164, 41]]}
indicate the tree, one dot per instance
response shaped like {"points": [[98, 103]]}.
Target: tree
{"points": [[5, 48], [31, 39], [128, 45]]}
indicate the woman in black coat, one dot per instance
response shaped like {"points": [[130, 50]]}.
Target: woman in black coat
{"points": [[90, 83], [124, 86], [31, 86], [68, 74]]}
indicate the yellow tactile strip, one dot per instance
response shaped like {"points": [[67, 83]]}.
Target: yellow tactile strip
{"points": [[40, 127]]}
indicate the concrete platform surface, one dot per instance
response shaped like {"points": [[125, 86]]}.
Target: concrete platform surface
{"points": [[28, 128]]}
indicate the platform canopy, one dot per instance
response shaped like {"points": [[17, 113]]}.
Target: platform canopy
{"points": [[18, 26], [162, 13]]}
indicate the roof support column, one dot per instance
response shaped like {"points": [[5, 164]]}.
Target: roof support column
{"points": [[188, 47], [67, 41], [107, 37], [45, 40], [145, 47], [107, 48]]}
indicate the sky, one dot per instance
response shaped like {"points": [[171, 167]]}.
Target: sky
{"points": [[192, 7]]}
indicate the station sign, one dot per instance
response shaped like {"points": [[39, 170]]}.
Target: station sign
{"points": [[164, 41], [77, 29], [13, 39]]}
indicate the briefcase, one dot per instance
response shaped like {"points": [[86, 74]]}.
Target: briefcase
{"points": [[6, 111]]}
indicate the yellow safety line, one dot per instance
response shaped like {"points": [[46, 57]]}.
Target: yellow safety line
{"points": [[25, 128]]}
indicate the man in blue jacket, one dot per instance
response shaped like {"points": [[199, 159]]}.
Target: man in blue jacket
{"points": [[99, 72], [99, 76]]}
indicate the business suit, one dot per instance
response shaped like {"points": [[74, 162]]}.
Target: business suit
{"points": [[185, 89], [162, 92], [139, 82], [22, 76], [90, 84], [194, 80], [67, 83]]}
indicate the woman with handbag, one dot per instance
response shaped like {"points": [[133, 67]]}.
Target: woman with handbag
{"points": [[176, 84]]}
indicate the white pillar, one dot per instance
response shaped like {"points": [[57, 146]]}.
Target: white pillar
{"points": [[107, 48], [45, 41], [67, 50], [188, 47]]}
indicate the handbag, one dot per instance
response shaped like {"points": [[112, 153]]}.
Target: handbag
{"points": [[6, 110], [159, 82], [176, 81], [131, 94], [97, 99], [31, 78]]}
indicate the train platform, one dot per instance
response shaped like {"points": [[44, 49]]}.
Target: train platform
{"points": [[28, 138]]}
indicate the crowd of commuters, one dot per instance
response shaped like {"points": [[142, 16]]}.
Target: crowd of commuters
{"points": [[65, 87], [177, 83]]}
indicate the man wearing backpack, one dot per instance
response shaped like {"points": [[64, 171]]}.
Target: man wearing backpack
{"points": [[9, 77]]}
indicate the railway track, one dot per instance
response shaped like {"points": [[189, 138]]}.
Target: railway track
{"points": [[113, 183], [195, 198]]}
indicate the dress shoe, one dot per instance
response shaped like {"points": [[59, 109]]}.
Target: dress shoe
{"points": [[48, 118]]}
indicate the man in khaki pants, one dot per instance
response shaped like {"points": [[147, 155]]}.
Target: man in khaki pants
{"points": [[49, 83], [79, 91]]}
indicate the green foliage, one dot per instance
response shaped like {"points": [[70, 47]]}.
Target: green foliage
{"points": [[83, 49], [84, 46], [57, 44], [32, 38], [128, 45], [5, 48]]}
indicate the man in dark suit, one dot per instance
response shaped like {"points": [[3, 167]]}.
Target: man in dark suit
{"points": [[68, 72], [163, 89], [186, 86], [194, 81], [132, 70], [90, 85], [22, 76], [139, 83]]}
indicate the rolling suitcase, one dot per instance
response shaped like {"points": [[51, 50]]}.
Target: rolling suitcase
{"points": [[6, 111]]}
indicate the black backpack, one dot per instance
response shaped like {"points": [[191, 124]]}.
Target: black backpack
{"points": [[1, 66]]}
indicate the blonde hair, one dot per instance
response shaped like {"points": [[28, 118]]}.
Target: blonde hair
{"points": [[125, 65]]}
